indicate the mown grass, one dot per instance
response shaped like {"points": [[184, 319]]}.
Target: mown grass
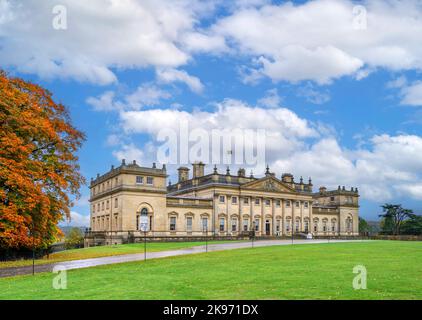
{"points": [[317, 271], [104, 251]]}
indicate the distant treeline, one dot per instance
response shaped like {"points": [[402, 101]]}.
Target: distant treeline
{"points": [[395, 220]]}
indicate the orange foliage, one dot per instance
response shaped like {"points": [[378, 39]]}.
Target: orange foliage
{"points": [[38, 165]]}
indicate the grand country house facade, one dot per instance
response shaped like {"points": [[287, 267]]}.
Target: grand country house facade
{"points": [[219, 204]]}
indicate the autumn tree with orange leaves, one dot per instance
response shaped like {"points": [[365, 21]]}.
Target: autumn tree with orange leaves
{"points": [[39, 172]]}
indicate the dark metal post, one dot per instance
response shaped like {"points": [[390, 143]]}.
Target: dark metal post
{"points": [[33, 248], [33, 257]]}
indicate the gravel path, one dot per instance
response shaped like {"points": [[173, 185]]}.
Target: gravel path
{"points": [[86, 263]]}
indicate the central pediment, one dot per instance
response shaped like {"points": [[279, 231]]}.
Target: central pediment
{"points": [[269, 184]]}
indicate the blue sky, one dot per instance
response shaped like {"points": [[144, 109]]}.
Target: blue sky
{"points": [[345, 94]]}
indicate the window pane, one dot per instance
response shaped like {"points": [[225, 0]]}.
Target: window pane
{"points": [[245, 224], [173, 224]]}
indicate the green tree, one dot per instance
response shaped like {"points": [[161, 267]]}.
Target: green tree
{"points": [[74, 239], [393, 217], [413, 225], [364, 227]]}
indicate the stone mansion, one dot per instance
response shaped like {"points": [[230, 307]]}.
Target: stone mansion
{"points": [[215, 204]]}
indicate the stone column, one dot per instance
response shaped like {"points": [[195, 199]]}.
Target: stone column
{"points": [[293, 221], [301, 227], [274, 227], [262, 217], [283, 221]]}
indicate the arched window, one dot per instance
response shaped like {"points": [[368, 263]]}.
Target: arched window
{"points": [[222, 226], [234, 224], [349, 224], [306, 226], [144, 219]]}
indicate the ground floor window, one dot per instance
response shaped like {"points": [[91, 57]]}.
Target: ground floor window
{"points": [[288, 225], [189, 224], [349, 225], [204, 224], [245, 224], [297, 226], [256, 224], [324, 226], [172, 223], [306, 226], [315, 226], [278, 226], [222, 226], [333, 226], [234, 225]]}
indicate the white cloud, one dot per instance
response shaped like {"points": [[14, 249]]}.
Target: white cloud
{"points": [[173, 75], [388, 165], [197, 42], [383, 167], [312, 95], [113, 140], [129, 152], [283, 126], [399, 82], [412, 94], [414, 190], [76, 220], [105, 102], [101, 35], [145, 95], [318, 40], [271, 99]]}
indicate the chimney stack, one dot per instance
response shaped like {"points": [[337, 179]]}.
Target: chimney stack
{"points": [[198, 169], [183, 174], [241, 173]]}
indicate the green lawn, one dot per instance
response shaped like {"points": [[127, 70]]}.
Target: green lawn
{"points": [[104, 251], [317, 271]]}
